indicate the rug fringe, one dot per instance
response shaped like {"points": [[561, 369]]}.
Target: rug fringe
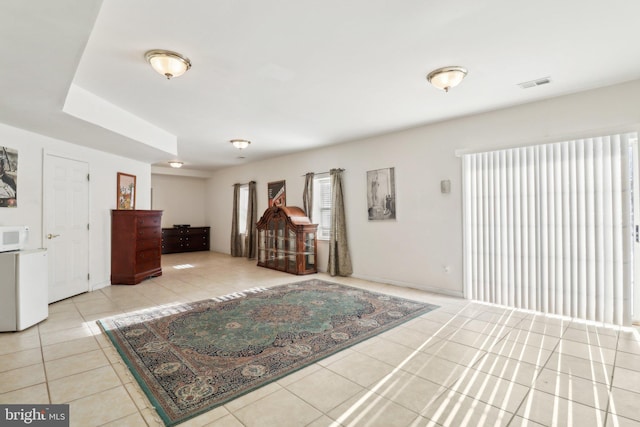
{"points": [[240, 294]]}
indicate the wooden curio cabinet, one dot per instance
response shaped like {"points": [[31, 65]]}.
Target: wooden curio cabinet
{"points": [[287, 240]]}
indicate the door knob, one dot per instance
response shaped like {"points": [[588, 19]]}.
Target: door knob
{"points": [[52, 236]]}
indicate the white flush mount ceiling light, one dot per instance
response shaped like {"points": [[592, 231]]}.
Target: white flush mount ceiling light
{"points": [[176, 164], [447, 77], [169, 64], [240, 144]]}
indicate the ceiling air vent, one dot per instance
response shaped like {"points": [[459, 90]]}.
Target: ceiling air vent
{"points": [[536, 82]]}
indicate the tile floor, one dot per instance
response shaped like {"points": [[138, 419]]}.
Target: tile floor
{"points": [[464, 364]]}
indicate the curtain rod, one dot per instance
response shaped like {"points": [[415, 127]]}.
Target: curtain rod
{"points": [[325, 173], [243, 183]]}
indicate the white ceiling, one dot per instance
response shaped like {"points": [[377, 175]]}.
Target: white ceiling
{"points": [[293, 75]]}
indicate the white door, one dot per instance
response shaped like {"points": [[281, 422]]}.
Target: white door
{"points": [[635, 185], [66, 226]]}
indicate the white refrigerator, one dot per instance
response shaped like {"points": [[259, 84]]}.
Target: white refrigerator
{"points": [[24, 288]]}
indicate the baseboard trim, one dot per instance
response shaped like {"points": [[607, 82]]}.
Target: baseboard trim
{"points": [[435, 290]]}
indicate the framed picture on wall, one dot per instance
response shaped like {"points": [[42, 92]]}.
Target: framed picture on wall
{"points": [[8, 177], [126, 191], [381, 194], [277, 193]]}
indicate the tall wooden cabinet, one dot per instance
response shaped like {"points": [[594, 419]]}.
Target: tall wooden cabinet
{"points": [[136, 239], [287, 240]]}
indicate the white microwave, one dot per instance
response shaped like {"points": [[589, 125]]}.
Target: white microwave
{"points": [[13, 237]]}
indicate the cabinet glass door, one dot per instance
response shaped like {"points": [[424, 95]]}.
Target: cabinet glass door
{"points": [[271, 246], [292, 251], [309, 251], [281, 246], [262, 236]]}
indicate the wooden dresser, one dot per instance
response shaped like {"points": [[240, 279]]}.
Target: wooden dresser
{"points": [[136, 239], [185, 239]]}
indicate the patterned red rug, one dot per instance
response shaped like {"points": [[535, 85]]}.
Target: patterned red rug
{"points": [[193, 357]]}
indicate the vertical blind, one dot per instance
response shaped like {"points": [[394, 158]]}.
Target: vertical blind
{"points": [[549, 228], [324, 206]]}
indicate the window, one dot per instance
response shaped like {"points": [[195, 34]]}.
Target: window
{"points": [[243, 208], [322, 205]]}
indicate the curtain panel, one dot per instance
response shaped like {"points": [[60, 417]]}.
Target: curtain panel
{"points": [[307, 195], [236, 239], [251, 238], [339, 257], [549, 228]]}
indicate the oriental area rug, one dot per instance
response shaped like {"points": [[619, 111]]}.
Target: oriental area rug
{"points": [[190, 358]]}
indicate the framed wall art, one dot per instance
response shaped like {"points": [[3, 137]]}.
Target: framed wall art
{"points": [[8, 177], [277, 193], [381, 194], [126, 191]]}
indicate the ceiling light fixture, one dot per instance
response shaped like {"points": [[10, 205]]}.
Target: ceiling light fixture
{"points": [[169, 64], [240, 144], [176, 164], [447, 77]]}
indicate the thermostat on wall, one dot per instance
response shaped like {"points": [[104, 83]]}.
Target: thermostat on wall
{"points": [[445, 186]]}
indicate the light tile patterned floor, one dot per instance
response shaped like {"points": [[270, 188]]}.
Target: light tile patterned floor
{"points": [[464, 364]]}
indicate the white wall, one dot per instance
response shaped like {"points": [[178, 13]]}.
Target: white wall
{"points": [[182, 199], [103, 169], [423, 247]]}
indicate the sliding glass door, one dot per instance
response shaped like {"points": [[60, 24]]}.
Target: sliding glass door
{"points": [[550, 228]]}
